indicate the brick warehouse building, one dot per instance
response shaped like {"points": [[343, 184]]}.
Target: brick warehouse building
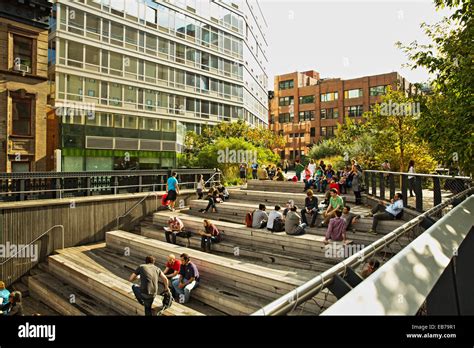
{"points": [[306, 109], [24, 84]]}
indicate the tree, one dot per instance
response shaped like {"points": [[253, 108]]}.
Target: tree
{"points": [[447, 123]]}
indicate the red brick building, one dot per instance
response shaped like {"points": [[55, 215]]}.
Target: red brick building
{"points": [[306, 109]]}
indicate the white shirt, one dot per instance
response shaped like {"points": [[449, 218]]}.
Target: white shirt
{"points": [[272, 216], [312, 168], [411, 170]]}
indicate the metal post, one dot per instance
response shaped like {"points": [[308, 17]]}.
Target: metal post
{"points": [[88, 186], [391, 180], [436, 191], [374, 184], [382, 185], [404, 189], [418, 193], [22, 189]]}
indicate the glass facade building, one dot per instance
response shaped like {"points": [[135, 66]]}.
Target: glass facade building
{"points": [[132, 76]]}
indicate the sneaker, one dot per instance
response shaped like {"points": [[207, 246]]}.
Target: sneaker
{"points": [[371, 231], [370, 214]]}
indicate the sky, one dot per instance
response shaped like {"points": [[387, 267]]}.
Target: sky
{"points": [[345, 38]]}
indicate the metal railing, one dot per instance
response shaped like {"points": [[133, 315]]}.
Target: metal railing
{"points": [[47, 185], [308, 290], [136, 204], [420, 191], [19, 251]]}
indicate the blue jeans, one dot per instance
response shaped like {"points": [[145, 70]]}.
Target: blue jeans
{"points": [[144, 299], [184, 293]]}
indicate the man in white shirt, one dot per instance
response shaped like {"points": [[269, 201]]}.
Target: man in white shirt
{"points": [[386, 211], [272, 216]]}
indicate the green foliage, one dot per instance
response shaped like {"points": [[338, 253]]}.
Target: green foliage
{"points": [[447, 123], [213, 155], [326, 148]]}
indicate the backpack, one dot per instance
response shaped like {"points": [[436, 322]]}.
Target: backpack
{"points": [[249, 219], [167, 301], [278, 225]]}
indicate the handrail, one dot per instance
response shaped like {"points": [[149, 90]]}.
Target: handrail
{"points": [[34, 240], [419, 174], [217, 172], [443, 240], [137, 203], [309, 289]]}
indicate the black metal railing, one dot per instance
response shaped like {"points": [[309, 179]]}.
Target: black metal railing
{"points": [[48, 185], [420, 191]]}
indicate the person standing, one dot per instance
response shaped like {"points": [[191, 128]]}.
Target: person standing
{"points": [[148, 289], [172, 188], [411, 178], [356, 176], [299, 168], [386, 168], [312, 167], [286, 165], [200, 187], [254, 170], [243, 172]]}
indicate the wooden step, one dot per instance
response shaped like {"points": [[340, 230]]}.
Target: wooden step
{"points": [[113, 291], [277, 186], [247, 253], [235, 211], [305, 246], [259, 280]]}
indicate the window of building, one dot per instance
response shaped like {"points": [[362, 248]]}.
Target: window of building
{"points": [[330, 96], [285, 101], [306, 115], [354, 111], [353, 93], [377, 90], [285, 84], [23, 53], [329, 113], [312, 132], [285, 118], [22, 112], [307, 99]]}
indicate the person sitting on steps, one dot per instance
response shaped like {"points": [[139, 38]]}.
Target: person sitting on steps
{"points": [[209, 235], [259, 217], [336, 229], [386, 211], [212, 200], [175, 225], [289, 205], [172, 267], [311, 207], [279, 176], [293, 225], [275, 214], [351, 218], [335, 203], [188, 279]]}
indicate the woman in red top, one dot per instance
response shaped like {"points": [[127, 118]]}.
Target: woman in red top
{"points": [[210, 234]]}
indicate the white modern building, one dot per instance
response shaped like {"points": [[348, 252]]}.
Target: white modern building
{"points": [[148, 71]]}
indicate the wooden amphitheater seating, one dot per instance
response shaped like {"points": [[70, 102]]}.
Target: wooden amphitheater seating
{"points": [[258, 280]]}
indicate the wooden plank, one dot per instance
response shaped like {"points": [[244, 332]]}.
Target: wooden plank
{"points": [[112, 290], [259, 278]]}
